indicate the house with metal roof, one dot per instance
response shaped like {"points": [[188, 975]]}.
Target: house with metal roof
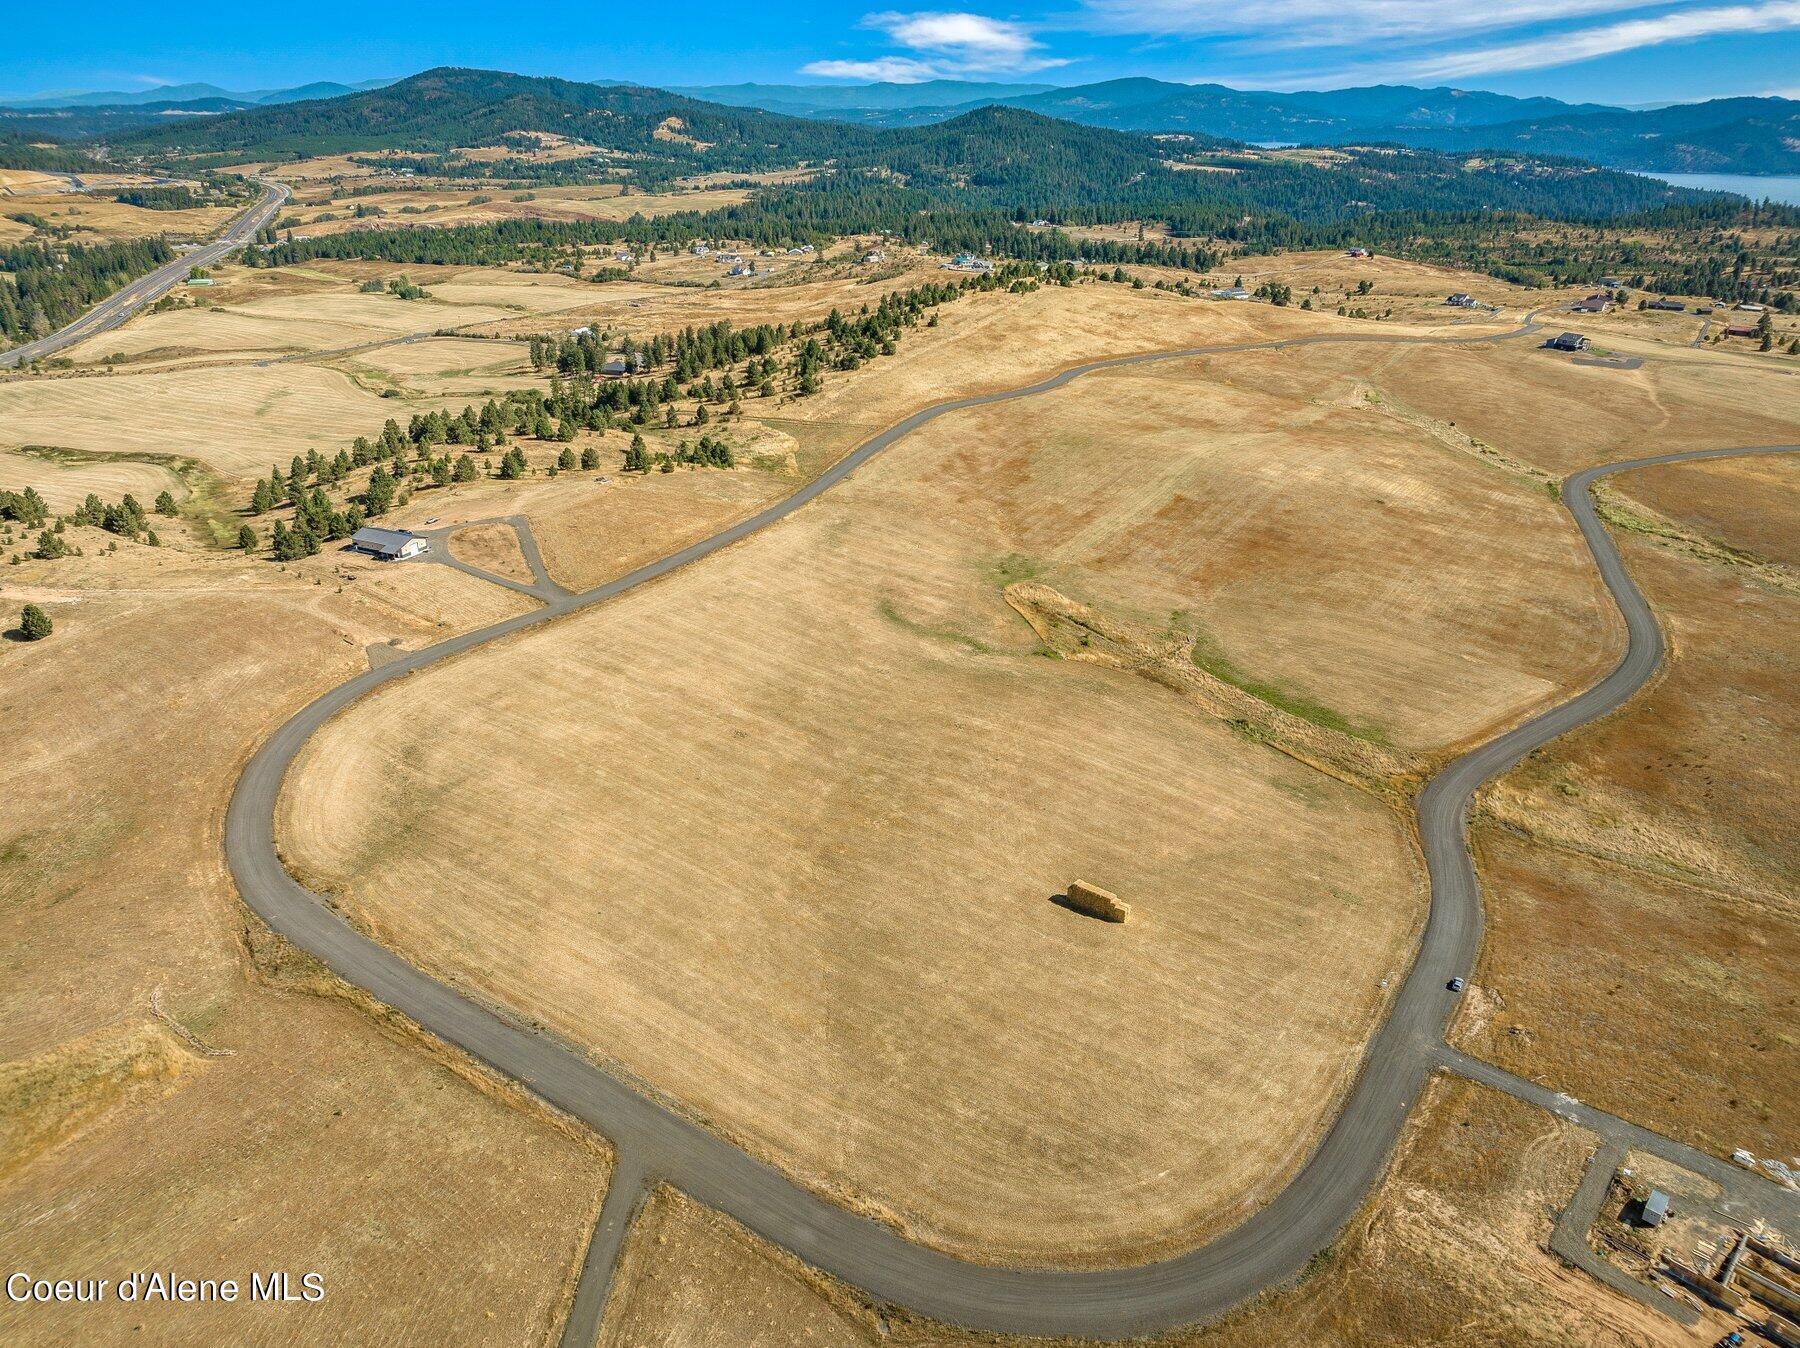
{"points": [[1567, 341], [390, 545]]}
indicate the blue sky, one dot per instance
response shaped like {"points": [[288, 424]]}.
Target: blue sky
{"points": [[1616, 51]]}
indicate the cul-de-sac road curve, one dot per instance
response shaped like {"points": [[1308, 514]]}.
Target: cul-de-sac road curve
{"points": [[656, 1142]]}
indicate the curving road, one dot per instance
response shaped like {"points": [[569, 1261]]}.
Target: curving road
{"points": [[123, 303], [657, 1143]]}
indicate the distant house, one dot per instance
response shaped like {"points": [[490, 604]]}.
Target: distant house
{"points": [[1749, 308], [701, 250], [1593, 304], [874, 255], [742, 269], [1568, 341], [1040, 224], [1656, 1208], [390, 545], [1461, 301], [1740, 330], [1231, 293], [1703, 308], [968, 262], [1356, 252], [617, 367], [1667, 306], [1611, 283], [579, 332]]}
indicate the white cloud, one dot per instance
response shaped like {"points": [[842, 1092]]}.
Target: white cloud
{"points": [[949, 45], [964, 37], [894, 69], [1585, 44], [1291, 23]]}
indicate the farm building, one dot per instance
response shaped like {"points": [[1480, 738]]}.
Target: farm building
{"points": [[1667, 306], [1231, 293], [390, 545], [1568, 341], [1740, 330]]}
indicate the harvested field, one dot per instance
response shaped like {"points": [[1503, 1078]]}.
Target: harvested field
{"points": [[1641, 874], [65, 483], [859, 692], [100, 217], [1450, 1251], [1363, 574], [595, 532], [443, 367], [1539, 407], [492, 547], [173, 1093], [236, 425]]}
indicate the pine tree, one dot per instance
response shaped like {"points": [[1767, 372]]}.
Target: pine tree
{"points": [[34, 623], [247, 538], [165, 503]]}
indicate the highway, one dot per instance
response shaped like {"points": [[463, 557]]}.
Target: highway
{"points": [[147, 289], [656, 1143]]}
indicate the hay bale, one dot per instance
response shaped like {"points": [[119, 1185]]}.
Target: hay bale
{"points": [[1097, 902]]}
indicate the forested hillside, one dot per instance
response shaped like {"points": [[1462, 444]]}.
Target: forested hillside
{"points": [[445, 108]]}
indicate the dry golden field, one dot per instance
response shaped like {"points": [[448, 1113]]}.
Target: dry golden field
{"points": [[908, 561], [1540, 408], [1450, 1250], [97, 217], [878, 624], [174, 1092], [890, 805], [441, 204], [237, 423], [1641, 874], [492, 547], [65, 482]]}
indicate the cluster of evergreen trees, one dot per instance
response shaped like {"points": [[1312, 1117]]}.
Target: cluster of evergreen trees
{"points": [[44, 286], [24, 507], [176, 198]]}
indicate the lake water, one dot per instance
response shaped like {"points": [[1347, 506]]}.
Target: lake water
{"points": [[1774, 187]]}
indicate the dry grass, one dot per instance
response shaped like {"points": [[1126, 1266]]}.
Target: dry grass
{"points": [[1642, 888], [1540, 407], [99, 217], [237, 425], [492, 547], [1450, 1251], [65, 483], [1369, 575], [248, 1127], [893, 787]]}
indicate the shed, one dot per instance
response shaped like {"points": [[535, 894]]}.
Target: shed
{"points": [[1656, 1208], [390, 545]]}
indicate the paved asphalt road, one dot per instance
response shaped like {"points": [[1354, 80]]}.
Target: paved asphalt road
{"points": [[122, 304], [658, 1143]]}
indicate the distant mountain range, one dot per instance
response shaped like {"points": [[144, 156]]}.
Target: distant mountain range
{"points": [[178, 94], [1732, 135]]}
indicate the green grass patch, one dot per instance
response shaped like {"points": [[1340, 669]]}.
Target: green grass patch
{"points": [[1208, 655]]}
